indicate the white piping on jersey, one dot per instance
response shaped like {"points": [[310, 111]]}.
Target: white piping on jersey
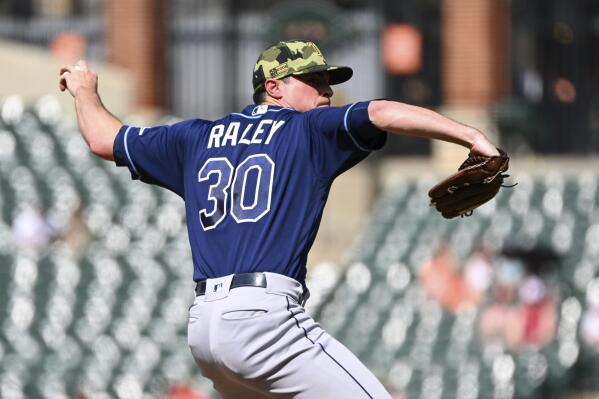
{"points": [[127, 151], [259, 116], [349, 133]]}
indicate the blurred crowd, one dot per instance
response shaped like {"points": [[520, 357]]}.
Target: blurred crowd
{"points": [[517, 293], [34, 229]]}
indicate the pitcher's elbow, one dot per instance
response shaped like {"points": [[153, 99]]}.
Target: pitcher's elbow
{"points": [[378, 113]]}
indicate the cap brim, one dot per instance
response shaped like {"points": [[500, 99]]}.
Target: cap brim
{"points": [[337, 74]]}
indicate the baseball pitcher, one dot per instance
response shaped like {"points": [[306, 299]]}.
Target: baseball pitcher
{"points": [[255, 184]]}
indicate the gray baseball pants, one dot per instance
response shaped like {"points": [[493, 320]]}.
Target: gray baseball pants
{"points": [[257, 342]]}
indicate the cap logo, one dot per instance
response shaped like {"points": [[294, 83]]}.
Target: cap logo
{"points": [[279, 70], [316, 49]]}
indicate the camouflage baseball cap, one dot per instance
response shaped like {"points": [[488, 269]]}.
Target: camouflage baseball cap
{"points": [[295, 57]]}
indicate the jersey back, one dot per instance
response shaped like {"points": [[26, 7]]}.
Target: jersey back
{"points": [[255, 183]]}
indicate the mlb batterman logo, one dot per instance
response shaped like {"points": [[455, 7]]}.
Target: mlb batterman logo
{"points": [[259, 109]]}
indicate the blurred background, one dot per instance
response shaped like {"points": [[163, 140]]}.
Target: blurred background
{"points": [[96, 271]]}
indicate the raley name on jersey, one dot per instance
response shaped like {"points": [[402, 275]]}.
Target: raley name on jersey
{"points": [[231, 134]]}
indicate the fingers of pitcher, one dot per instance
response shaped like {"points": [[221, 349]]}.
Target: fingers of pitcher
{"points": [[67, 70]]}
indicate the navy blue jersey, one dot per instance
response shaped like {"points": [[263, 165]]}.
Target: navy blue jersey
{"points": [[254, 183]]}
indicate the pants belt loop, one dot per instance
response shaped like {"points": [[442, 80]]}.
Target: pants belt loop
{"points": [[304, 297]]}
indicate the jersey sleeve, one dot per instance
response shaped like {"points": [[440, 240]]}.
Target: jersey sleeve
{"points": [[340, 137], [155, 155]]}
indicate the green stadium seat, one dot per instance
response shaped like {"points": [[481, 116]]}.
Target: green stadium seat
{"points": [[427, 344]]}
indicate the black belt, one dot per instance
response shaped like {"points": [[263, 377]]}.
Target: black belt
{"points": [[239, 280]]}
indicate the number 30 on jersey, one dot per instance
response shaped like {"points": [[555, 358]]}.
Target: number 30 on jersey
{"points": [[243, 208]]}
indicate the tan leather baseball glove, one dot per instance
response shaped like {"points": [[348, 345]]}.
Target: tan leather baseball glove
{"points": [[477, 181]]}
